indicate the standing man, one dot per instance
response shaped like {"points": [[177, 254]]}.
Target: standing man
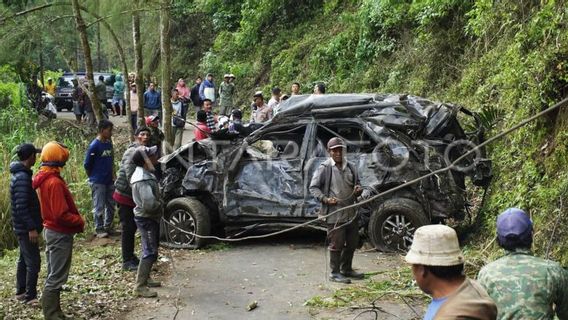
{"points": [[522, 285], [263, 112], [100, 93], [208, 108], [178, 118], [50, 87], [152, 101], [147, 215], [34, 92], [123, 196], [118, 96], [207, 89], [194, 95], [27, 223], [275, 99], [295, 88], [201, 130], [156, 135], [61, 221], [437, 266], [99, 166], [336, 185], [226, 93], [319, 88]]}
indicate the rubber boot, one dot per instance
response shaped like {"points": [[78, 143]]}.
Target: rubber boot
{"points": [[50, 305], [153, 283], [346, 265], [141, 289], [60, 314], [334, 261]]}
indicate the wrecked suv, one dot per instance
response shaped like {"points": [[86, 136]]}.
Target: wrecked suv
{"points": [[234, 184]]}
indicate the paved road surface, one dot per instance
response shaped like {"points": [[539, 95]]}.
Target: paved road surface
{"points": [[279, 274]]}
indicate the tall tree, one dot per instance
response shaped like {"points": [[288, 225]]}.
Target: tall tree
{"points": [[166, 76], [82, 29], [138, 62]]}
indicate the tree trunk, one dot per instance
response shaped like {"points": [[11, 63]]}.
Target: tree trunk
{"points": [[166, 77], [82, 29], [138, 64]]}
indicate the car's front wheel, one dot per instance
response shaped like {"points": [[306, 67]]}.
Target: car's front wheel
{"points": [[186, 217], [392, 225]]}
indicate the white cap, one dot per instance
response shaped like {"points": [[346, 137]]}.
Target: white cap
{"points": [[435, 245]]}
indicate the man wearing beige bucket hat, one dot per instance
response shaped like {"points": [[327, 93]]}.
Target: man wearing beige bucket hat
{"points": [[437, 266]]}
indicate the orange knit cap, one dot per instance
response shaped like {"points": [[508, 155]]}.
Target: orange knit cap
{"points": [[54, 154]]}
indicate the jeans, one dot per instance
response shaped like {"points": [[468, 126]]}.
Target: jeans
{"points": [[133, 120], [128, 225], [29, 264], [58, 251], [149, 232], [103, 205]]}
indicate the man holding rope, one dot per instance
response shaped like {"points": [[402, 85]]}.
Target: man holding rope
{"points": [[336, 184]]}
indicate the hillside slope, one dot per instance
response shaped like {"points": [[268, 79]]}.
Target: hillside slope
{"points": [[506, 59]]}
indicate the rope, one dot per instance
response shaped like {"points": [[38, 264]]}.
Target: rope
{"points": [[384, 193]]}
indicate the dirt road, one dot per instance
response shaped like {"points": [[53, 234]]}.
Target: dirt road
{"points": [[121, 122], [280, 275]]}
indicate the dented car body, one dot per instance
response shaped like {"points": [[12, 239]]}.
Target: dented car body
{"points": [[261, 180]]}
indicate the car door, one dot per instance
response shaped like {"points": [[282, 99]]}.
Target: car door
{"points": [[360, 144], [268, 181]]}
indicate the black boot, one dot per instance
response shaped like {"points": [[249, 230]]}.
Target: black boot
{"points": [[334, 260], [346, 265], [50, 304]]}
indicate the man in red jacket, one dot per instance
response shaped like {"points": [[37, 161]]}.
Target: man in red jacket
{"points": [[61, 221]]}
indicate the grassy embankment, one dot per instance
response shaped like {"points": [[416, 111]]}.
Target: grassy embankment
{"points": [[506, 59]]}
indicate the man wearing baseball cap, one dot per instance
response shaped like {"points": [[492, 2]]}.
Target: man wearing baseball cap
{"points": [[26, 221], [147, 214], [437, 266], [336, 185], [522, 285]]}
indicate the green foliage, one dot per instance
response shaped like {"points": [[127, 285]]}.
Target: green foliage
{"points": [[506, 59]]}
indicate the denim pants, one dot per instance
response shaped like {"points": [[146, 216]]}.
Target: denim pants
{"points": [[29, 264], [149, 233], [128, 225], [103, 205], [58, 251]]}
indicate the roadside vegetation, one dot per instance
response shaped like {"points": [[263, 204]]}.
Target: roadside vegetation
{"points": [[505, 59]]}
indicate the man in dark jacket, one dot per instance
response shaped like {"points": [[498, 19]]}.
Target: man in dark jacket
{"points": [[27, 222], [194, 95], [123, 196], [336, 184]]}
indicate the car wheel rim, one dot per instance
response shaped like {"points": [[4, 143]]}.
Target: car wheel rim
{"points": [[397, 232], [182, 220]]}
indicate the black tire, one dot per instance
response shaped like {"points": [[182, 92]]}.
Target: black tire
{"points": [[391, 227], [190, 215]]}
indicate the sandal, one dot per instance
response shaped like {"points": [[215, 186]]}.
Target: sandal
{"points": [[34, 303]]}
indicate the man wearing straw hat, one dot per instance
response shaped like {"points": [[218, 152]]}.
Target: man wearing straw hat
{"points": [[437, 266]]}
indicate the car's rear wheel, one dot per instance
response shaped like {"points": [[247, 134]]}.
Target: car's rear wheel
{"points": [[189, 215], [392, 225]]}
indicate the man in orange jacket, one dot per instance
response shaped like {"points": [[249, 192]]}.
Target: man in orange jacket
{"points": [[61, 221]]}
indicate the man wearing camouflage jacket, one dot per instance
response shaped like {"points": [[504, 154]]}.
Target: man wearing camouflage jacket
{"points": [[524, 286]]}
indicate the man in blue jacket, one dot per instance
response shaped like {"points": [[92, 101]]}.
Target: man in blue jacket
{"points": [[99, 166], [207, 89], [152, 101], [27, 222]]}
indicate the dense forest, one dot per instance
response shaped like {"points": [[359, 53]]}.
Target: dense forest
{"points": [[505, 59]]}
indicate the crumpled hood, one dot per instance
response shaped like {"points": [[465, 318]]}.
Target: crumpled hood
{"points": [[41, 177], [141, 174], [118, 78], [17, 166]]}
